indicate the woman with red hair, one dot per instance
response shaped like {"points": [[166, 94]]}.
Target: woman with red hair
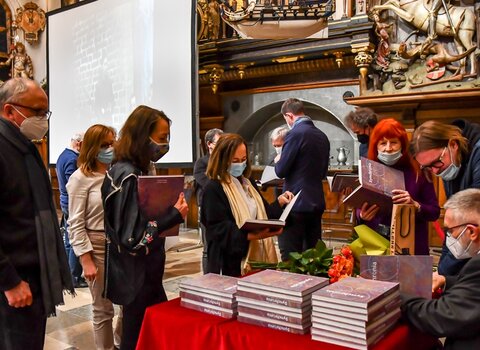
{"points": [[389, 145]]}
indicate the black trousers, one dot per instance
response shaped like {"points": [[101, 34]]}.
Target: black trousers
{"points": [[23, 328], [302, 231]]}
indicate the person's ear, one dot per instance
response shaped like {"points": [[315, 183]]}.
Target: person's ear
{"points": [[474, 232]]}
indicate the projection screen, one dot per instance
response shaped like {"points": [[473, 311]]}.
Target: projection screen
{"points": [[106, 57]]}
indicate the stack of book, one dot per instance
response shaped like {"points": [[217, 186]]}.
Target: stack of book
{"points": [[211, 293], [355, 312], [278, 300]]}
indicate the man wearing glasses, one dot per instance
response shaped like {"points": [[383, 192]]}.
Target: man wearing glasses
{"points": [[455, 314], [452, 152], [33, 265]]}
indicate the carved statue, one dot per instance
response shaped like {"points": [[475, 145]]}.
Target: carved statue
{"points": [[383, 48], [22, 66], [458, 22], [213, 20]]}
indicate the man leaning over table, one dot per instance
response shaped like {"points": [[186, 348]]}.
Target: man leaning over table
{"points": [[455, 315]]}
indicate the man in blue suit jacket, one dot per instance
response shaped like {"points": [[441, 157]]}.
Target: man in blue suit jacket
{"points": [[303, 164]]}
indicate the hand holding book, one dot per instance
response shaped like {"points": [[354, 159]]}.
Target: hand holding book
{"points": [[403, 197], [265, 233], [285, 198], [368, 212], [181, 205]]}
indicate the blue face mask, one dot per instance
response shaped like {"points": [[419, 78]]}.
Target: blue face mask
{"points": [[236, 169], [105, 155], [450, 172], [158, 150]]}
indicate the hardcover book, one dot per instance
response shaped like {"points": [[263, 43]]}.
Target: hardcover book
{"points": [[208, 309], [209, 299], [413, 272], [247, 301], [356, 292], [272, 224], [274, 314], [377, 181], [340, 181], [272, 297], [281, 326], [270, 178], [284, 282], [211, 283], [157, 194]]}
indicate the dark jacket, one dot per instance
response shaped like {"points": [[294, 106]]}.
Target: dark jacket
{"points": [[455, 314], [18, 239], [65, 167], [227, 244], [127, 268], [304, 165], [199, 173]]}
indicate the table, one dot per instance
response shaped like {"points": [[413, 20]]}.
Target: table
{"points": [[170, 326]]}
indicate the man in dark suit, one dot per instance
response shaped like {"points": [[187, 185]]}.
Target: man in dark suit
{"points": [[455, 314], [201, 179], [304, 164]]}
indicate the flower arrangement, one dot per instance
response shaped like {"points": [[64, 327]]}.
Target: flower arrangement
{"points": [[342, 265]]}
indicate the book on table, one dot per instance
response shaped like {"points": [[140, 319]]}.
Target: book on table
{"points": [[276, 314], [251, 225], [356, 293], [270, 178], [208, 309], [283, 282], [377, 181], [157, 195], [340, 181], [265, 296], [210, 299], [413, 272], [212, 284], [273, 324]]}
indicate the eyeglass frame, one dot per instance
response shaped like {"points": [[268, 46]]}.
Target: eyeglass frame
{"points": [[438, 160], [46, 116], [448, 230]]}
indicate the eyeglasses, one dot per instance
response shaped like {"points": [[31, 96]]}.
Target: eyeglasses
{"points": [[448, 230], [38, 112], [437, 164]]}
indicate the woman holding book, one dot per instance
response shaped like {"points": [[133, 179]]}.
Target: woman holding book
{"points": [[229, 199], [135, 252], [86, 227], [389, 145]]}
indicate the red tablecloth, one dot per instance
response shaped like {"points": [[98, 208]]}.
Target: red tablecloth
{"points": [[170, 326]]}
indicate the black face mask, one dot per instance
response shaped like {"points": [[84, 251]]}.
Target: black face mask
{"points": [[363, 138], [158, 150]]}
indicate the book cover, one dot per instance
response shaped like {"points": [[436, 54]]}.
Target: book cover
{"points": [[157, 194], [270, 178], [377, 181], [211, 283], [353, 317], [272, 224], [274, 315], [272, 324], [413, 272], [356, 292], [208, 309], [281, 300], [255, 303], [209, 299], [284, 282], [341, 181]]}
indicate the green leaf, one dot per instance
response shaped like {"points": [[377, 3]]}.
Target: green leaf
{"points": [[295, 256]]}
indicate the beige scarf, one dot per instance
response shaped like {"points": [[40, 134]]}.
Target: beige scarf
{"points": [[262, 250]]}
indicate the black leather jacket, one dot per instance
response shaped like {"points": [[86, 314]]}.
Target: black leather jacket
{"points": [[129, 267]]}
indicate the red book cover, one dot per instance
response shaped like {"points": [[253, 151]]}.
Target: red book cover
{"points": [[211, 283], [284, 282], [208, 309], [413, 272], [286, 327], [157, 194], [360, 293], [209, 299], [377, 181]]}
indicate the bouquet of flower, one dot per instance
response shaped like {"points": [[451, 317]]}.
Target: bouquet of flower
{"points": [[342, 265]]}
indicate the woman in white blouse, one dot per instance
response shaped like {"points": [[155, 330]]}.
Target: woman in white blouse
{"points": [[87, 234]]}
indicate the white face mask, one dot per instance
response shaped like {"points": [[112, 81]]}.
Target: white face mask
{"points": [[33, 128], [451, 171], [456, 247], [389, 158], [278, 149]]}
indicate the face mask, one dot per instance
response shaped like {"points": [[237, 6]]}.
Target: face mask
{"points": [[456, 248], [389, 158], [105, 155], [451, 171], [33, 128], [236, 169], [278, 149], [158, 150], [363, 138]]}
